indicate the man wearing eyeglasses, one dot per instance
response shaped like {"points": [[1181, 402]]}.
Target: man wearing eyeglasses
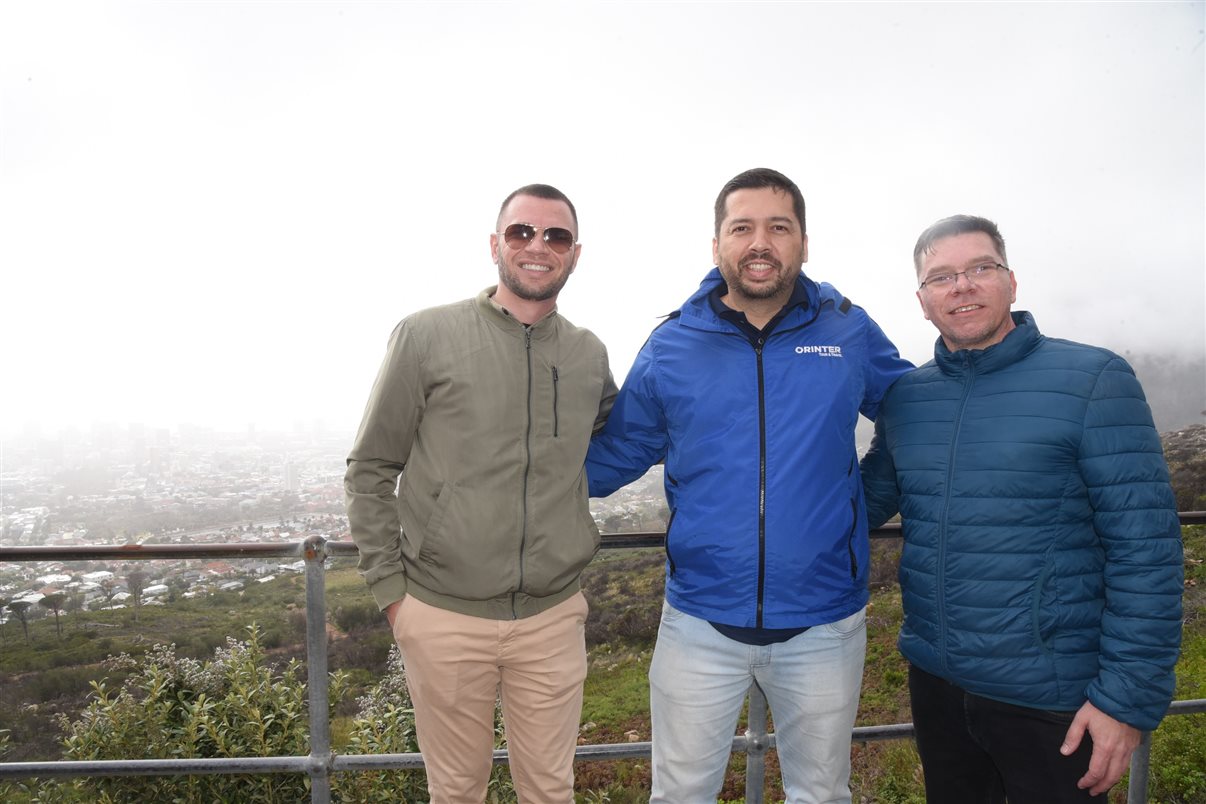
{"points": [[484, 409], [750, 394], [1042, 572]]}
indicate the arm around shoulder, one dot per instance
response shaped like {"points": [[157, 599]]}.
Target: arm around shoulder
{"points": [[635, 436], [879, 481], [884, 367]]}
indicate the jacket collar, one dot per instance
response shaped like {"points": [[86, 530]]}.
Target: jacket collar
{"points": [[498, 315], [697, 311], [1023, 339]]}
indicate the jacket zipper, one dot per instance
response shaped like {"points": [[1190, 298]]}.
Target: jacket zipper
{"points": [[762, 461], [554, 401], [527, 468], [761, 481], [940, 581]]}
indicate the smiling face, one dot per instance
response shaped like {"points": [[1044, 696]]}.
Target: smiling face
{"points": [[534, 272], [760, 248], [968, 315]]}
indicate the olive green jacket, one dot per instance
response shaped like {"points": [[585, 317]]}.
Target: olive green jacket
{"points": [[487, 422]]}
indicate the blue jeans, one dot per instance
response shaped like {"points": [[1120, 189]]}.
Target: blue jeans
{"points": [[979, 751], [697, 684]]}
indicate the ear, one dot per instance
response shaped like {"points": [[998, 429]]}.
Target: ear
{"points": [[804, 250], [493, 248], [1013, 287], [577, 256], [924, 311], [715, 251]]}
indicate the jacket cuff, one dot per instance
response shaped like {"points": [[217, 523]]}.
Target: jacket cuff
{"points": [[389, 589]]}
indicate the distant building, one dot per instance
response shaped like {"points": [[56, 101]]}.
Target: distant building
{"points": [[292, 478], [48, 580]]}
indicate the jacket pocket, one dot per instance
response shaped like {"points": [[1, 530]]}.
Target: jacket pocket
{"points": [[435, 522], [555, 379], [669, 555], [852, 482], [850, 539], [1037, 606]]}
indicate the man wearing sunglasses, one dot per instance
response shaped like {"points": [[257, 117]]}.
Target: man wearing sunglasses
{"points": [[485, 408], [750, 394], [1041, 573]]}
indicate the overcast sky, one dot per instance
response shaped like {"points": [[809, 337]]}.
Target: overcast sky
{"points": [[216, 212]]}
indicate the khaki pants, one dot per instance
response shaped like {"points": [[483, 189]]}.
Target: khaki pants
{"points": [[456, 665]]}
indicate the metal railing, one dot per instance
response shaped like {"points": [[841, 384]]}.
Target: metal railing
{"points": [[322, 761]]}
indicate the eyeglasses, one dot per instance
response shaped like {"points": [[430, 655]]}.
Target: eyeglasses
{"points": [[519, 235], [972, 275]]}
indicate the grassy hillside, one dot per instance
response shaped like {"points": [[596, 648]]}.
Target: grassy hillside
{"points": [[50, 673]]}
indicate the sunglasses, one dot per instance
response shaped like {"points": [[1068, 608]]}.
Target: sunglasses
{"points": [[519, 235]]}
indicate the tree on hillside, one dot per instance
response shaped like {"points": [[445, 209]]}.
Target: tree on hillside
{"points": [[75, 602], [108, 590], [19, 608], [55, 602], [136, 581]]}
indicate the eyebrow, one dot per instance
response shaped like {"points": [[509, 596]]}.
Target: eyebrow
{"points": [[973, 261], [773, 219]]}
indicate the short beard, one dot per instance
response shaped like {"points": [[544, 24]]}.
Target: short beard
{"points": [[512, 282], [784, 279]]}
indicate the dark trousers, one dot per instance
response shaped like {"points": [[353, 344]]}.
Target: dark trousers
{"points": [[975, 750]]}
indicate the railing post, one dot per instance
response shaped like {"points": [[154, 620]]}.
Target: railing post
{"points": [[1136, 790], [316, 670], [755, 747]]}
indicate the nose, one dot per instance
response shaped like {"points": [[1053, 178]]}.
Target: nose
{"points": [[966, 280], [537, 244], [761, 239]]}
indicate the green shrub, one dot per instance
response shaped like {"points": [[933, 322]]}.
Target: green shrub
{"points": [[356, 615], [1178, 767], [234, 705]]}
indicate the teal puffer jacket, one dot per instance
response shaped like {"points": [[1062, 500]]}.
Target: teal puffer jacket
{"points": [[1042, 561]]}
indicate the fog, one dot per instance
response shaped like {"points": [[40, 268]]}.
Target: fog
{"points": [[216, 212]]}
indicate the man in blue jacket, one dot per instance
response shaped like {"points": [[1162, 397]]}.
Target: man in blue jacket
{"points": [[1042, 570], [750, 394]]}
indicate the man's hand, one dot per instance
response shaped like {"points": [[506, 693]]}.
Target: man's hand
{"points": [[1113, 742], [391, 611]]}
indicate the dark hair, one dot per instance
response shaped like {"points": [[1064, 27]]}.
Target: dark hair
{"points": [[756, 179], [538, 191], [956, 225]]}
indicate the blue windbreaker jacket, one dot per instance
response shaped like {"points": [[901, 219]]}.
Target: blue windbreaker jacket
{"points": [[767, 525], [1042, 554]]}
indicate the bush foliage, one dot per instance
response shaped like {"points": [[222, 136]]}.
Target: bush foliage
{"points": [[171, 707], [236, 704]]}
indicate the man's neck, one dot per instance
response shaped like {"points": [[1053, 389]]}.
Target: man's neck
{"points": [[758, 312], [525, 311]]}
